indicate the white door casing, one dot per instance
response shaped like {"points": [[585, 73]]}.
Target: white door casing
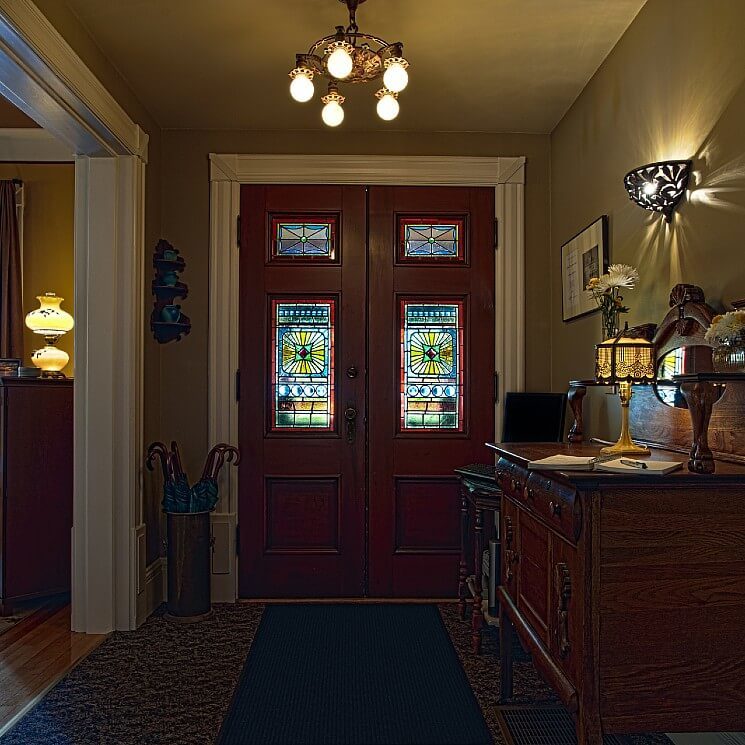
{"points": [[227, 172]]}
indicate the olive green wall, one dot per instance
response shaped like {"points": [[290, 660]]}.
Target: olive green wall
{"points": [[673, 87], [186, 224], [48, 242]]}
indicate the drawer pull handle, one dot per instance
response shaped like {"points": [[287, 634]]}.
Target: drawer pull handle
{"points": [[531, 493], [555, 508]]}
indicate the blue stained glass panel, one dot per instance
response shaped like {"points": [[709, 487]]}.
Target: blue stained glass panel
{"points": [[303, 365], [431, 366], [432, 240], [303, 239]]}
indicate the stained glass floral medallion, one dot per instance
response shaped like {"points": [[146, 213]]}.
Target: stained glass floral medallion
{"points": [[432, 239], [431, 365], [303, 365], [298, 236]]}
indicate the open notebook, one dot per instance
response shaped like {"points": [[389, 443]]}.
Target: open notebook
{"points": [[608, 464]]}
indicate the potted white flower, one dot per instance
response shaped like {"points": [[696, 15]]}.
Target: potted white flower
{"points": [[606, 291]]}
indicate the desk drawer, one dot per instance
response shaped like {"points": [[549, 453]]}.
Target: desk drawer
{"points": [[511, 479], [555, 503]]}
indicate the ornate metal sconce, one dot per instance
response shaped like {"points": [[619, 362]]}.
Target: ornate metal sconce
{"points": [[658, 187]]}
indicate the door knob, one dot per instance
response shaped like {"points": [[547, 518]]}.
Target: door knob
{"points": [[352, 372], [350, 416]]}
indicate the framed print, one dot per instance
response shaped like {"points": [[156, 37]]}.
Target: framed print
{"points": [[9, 368], [583, 257]]}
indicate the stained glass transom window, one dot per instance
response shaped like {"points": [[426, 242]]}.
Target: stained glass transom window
{"points": [[303, 364], [431, 366], [296, 236], [431, 239]]}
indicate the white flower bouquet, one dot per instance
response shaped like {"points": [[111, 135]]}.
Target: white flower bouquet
{"points": [[727, 328], [606, 291]]}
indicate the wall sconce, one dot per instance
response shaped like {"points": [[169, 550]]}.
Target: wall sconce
{"points": [[658, 187]]}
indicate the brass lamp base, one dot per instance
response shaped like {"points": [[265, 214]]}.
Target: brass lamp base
{"points": [[625, 445]]}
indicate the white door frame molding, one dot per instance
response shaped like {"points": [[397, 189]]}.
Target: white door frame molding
{"points": [[44, 77], [227, 172]]}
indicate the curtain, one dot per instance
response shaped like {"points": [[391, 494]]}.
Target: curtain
{"points": [[11, 304]]}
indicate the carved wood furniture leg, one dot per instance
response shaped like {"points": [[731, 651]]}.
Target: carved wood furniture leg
{"points": [[477, 615], [576, 395], [463, 565], [700, 398], [506, 632]]}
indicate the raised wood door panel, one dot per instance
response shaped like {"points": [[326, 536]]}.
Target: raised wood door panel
{"points": [[302, 316], [430, 389]]}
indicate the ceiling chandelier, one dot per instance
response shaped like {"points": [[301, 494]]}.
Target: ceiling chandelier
{"points": [[349, 56]]}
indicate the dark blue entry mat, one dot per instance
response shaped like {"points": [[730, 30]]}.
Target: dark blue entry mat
{"points": [[353, 675]]}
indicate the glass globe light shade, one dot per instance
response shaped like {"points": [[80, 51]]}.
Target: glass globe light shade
{"points": [[301, 88], [396, 78], [50, 359], [49, 320], [339, 63], [388, 107], [332, 114]]}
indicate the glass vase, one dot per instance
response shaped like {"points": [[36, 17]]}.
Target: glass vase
{"points": [[729, 356]]}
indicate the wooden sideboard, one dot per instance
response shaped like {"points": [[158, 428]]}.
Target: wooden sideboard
{"points": [[36, 451], [629, 591]]}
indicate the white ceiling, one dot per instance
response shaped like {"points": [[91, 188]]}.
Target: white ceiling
{"points": [[476, 65]]}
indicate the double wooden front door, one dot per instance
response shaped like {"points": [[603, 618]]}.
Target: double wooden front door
{"points": [[367, 364]]}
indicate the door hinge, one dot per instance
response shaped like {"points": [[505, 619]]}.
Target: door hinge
{"points": [[237, 540], [496, 387], [496, 233], [238, 231], [237, 385]]}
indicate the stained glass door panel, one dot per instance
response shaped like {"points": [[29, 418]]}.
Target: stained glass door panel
{"points": [[431, 366], [302, 353]]}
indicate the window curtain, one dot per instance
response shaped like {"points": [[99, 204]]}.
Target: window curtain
{"points": [[11, 304]]}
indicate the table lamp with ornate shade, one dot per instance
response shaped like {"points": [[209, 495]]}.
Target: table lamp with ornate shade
{"points": [[51, 322], [625, 361]]}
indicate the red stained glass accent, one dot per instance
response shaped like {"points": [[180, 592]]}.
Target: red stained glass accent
{"points": [[428, 239]]}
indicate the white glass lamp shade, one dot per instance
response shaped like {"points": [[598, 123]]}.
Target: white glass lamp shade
{"points": [[396, 78], [387, 107], [50, 359], [332, 114], [49, 320], [340, 63], [301, 87]]}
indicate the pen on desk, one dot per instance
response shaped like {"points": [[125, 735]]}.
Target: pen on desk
{"points": [[633, 463]]}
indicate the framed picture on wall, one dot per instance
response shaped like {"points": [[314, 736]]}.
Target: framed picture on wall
{"points": [[583, 257]]}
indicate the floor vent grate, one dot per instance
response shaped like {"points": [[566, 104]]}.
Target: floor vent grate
{"points": [[541, 725]]}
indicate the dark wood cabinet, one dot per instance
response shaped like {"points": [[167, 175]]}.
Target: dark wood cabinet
{"points": [[36, 450], [629, 591]]}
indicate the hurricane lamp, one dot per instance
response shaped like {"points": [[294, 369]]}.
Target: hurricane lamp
{"points": [[51, 322]]}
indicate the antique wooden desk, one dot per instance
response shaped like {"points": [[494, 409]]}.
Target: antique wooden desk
{"points": [[629, 591]]}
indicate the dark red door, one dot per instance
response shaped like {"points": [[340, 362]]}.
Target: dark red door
{"points": [[301, 420], [367, 358], [431, 373]]}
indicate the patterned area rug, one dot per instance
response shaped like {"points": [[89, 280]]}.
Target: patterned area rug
{"points": [[171, 683]]}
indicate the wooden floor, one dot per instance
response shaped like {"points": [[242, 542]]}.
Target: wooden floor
{"points": [[34, 655]]}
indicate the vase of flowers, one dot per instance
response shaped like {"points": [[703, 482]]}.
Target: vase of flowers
{"points": [[727, 334], [606, 291]]}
